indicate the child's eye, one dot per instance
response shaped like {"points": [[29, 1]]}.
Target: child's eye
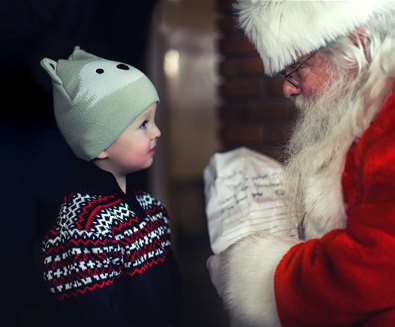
{"points": [[144, 124]]}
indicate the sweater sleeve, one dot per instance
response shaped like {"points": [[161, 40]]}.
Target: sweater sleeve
{"points": [[347, 276], [81, 270], [99, 308]]}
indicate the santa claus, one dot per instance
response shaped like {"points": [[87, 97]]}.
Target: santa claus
{"points": [[338, 63]]}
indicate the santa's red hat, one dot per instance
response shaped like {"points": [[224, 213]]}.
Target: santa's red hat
{"points": [[282, 30]]}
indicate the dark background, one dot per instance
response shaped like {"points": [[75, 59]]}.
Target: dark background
{"points": [[33, 154]]}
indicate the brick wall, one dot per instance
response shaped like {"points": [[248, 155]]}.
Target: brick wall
{"points": [[252, 110]]}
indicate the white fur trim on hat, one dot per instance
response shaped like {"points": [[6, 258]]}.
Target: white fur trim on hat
{"points": [[284, 30]]}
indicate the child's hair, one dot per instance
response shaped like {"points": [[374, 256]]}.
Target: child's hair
{"points": [[96, 99]]}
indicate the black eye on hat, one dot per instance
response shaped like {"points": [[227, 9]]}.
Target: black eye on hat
{"points": [[123, 67], [100, 71]]}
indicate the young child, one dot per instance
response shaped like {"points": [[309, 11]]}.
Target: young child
{"points": [[107, 254]]}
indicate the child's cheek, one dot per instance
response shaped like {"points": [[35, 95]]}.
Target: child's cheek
{"points": [[147, 148]]}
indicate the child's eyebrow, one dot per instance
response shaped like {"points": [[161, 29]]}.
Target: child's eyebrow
{"points": [[142, 118], [146, 116]]}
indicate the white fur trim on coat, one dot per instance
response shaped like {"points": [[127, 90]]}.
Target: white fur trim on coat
{"points": [[249, 281], [284, 30]]}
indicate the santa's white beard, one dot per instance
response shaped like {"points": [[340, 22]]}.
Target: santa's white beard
{"points": [[320, 114], [316, 157]]}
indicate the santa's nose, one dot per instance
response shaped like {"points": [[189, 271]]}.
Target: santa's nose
{"points": [[290, 90]]}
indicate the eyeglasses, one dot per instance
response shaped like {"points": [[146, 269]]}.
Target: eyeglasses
{"points": [[289, 73]]}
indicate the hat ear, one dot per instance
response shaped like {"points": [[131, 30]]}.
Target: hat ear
{"points": [[50, 66], [79, 54]]}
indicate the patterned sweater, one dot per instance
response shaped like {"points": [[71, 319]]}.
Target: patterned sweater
{"points": [[107, 258]]}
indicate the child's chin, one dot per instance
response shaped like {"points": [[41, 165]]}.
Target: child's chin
{"points": [[148, 163]]}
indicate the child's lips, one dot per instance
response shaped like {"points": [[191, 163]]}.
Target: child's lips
{"points": [[152, 149]]}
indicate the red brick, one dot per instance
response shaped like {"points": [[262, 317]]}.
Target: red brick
{"points": [[252, 135], [278, 110], [274, 88], [242, 87], [278, 134], [228, 46], [225, 6], [241, 66], [228, 24], [252, 112], [242, 135]]}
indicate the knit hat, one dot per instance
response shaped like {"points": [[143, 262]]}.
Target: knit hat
{"points": [[96, 99], [282, 30]]}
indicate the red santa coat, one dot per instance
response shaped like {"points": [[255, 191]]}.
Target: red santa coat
{"points": [[347, 277], [344, 277]]}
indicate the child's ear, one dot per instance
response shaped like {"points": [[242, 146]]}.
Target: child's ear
{"points": [[50, 66], [102, 155], [79, 54]]}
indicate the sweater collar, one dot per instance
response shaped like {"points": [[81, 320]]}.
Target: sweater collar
{"points": [[90, 178]]}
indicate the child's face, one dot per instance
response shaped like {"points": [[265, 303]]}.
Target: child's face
{"points": [[134, 149]]}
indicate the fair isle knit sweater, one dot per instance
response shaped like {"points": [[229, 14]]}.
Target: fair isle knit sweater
{"points": [[107, 255]]}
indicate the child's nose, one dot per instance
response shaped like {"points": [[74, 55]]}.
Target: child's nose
{"points": [[156, 131]]}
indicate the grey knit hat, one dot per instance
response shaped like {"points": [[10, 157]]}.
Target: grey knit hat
{"points": [[96, 99]]}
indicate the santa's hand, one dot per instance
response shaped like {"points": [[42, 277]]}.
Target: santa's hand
{"points": [[216, 269], [243, 276]]}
